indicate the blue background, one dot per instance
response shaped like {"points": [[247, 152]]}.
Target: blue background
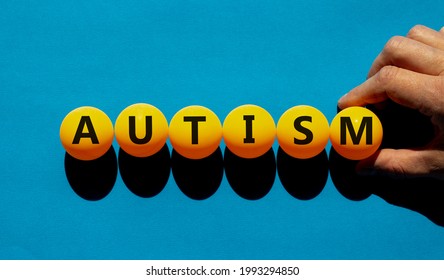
{"points": [[59, 55]]}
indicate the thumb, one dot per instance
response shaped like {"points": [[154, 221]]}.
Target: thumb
{"points": [[404, 163]]}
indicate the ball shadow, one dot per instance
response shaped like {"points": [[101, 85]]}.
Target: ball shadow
{"points": [[94, 179], [251, 179], [403, 128], [147, 176], [344, 177], [198, 179], [302, 178]]}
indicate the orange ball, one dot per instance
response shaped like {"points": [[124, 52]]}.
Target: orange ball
{"points": [[195, 132], [303, 132], [86, 133], [141, 130], [249, 131], [356, 133]]}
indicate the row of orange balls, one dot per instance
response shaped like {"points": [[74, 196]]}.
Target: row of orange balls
{"points": [[195, 132]]}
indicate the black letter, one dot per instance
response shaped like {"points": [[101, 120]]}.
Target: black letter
{"points": [[249, 129], [194, 127], [148, 133], [303, 130], [356, 138], [85, 120]]}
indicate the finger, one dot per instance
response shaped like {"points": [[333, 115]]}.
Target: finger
{"points": [[441, 30], [409, 54], [427, 36], [407, 88], [404, 163]]}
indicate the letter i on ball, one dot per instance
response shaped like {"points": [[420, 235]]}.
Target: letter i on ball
{"points": [[249, 131]]}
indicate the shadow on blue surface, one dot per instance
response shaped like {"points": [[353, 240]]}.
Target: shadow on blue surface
{"points": [[251, 179], [147, 176], [92, 180], [198, 179], [303, 178]]}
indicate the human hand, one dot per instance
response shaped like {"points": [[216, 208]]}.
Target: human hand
{"points": [[410, 72]]}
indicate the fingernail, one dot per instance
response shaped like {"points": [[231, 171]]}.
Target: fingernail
{"points": [[341, 100]]}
